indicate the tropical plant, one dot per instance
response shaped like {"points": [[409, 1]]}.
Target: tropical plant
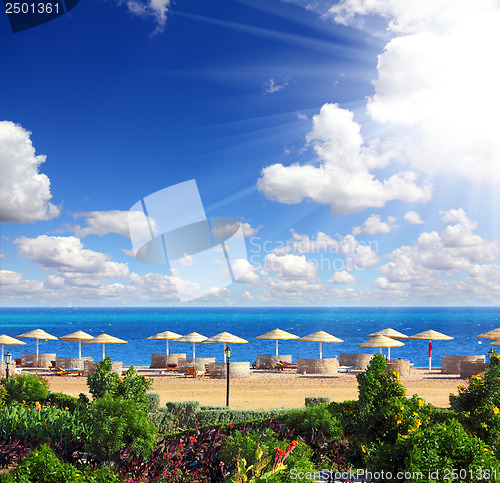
{"points": [[25, 387]]}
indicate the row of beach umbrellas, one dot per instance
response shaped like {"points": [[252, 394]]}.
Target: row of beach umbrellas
{"points": [[381, 339]]}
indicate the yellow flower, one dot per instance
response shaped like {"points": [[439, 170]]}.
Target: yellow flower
{"points": [[415, 414], [445, 428], [37, 405], [36, 454], [495, 410], [484, 425], [418, 423], [403, 436], [485, 450], [24, 402], [66, 408], [402, 408], [420, 403], [363, 448], [399, 421], [461, 386], [410, 430]]}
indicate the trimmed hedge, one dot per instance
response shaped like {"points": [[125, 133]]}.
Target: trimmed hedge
{"points": [[311, 400], [222, 408], [153, 400]]}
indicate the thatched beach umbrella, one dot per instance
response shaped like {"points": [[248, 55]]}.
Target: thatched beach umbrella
{"points": [[193, 337], [38, 334], [226, 338], [77, 336], [492, 334], [430, 335], [393, 334], [167, 335], [7, 340], [380, 341], [105, 339], [277, 334], [320, 336]]}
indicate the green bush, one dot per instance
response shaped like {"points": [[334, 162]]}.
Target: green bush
{"points": [[25, 387], [238, 447], [220, 408], [43, 466], [153, 400], [117, 423], [105, 382], [315, 417], [478, 405], [182, 414], [311, 400], [3, 396], [62, 401], [162, 419], [444, 452]]}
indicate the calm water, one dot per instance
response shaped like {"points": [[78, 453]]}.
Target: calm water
{"points": [[350, 324]]}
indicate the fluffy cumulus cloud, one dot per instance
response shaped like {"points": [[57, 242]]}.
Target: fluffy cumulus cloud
{"points": [[437, 76], [152, 9], [24, 191], [67, 258], [115, 221], [455, 262], [342, 277], [413, 218], [374, 225], [343, 177]]}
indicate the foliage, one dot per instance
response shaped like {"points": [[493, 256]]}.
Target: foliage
{"points": [[478, 405], [310, 400], [220, 408], [162, 419], [40, 424], [153, 400], [3, 396], [12, 450], [240, 452], [182, 414], [117, 423], [25, 387], [444, 452], [62, 401], [43, 466]]}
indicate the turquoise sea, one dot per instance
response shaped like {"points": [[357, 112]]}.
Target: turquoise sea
{"points": [[350, 324]]}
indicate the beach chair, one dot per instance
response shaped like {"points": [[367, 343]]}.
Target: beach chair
{"points": [[345, 368], [68, 372], [191, 371], [207, 370], [172, 367]]}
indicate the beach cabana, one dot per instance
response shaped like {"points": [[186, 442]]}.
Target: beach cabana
{"points": [[193, 337], [225, 338], [379, 341], [277, 335], [38, 334], [7, 340], [79, 337], [430, 335], [167, 335], [393, 334], [320, 336], [105, 339]]}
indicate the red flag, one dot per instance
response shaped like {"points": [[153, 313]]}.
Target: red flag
{"points": [[430, 348]]}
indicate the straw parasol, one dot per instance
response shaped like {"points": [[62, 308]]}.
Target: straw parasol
{"points": [[78, 336], [38, 334], [193, 337], [226, 338], [277, 334], [495, 342], [393, 334], [167, 335], [381, 341], [105, 339], [430, 335], [6, 340], [492, 334], [320, 336]]}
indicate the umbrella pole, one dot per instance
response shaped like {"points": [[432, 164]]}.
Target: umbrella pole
{"points": [[79, 348], [37, 350], [320, 351], [194, 353], [276, 346], [103, 351], [2, 352], [224, 352], [167, 350], [388, 353]]}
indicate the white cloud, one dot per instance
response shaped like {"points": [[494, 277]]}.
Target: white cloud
{"points": [[155, 9], [413, 218], [114, 221], [186, 260], [271, 86], [343, 178], [374, 225], [342, 277], [301, 116], [290, 267], [224, 231], [437, 76], [24, 191], [303, 244], [245, 272], [68, 259]]}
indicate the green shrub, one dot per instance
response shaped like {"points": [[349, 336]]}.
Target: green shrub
{"points": [[239, 447], [444, 452], [43, 466], [315, 417], [220, 408], [478, 405], [62, 401], [311, 400], [162, 419], [153, 400], [182, 414], [3, 396], [25, 387], [117, 423]]}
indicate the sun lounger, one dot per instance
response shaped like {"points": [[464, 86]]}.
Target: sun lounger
{"points": [[172, 367], [68, 372], [282, 365], [193, 372], [345, 368]]}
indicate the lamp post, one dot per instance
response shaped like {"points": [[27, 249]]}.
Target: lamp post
{"points": [[490, 353], [227, 351], [8, 360]]}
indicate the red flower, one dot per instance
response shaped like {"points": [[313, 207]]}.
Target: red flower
{"points": [[192, 439], [231, 425]]}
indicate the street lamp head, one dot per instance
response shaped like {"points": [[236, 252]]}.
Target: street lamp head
{"points": [[8, 358], [228, 351]]}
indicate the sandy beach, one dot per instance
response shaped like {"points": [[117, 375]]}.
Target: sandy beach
{"points": [[268, 389]]}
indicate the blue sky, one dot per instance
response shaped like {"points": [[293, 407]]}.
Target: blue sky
{"points": [[355, 141]]}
